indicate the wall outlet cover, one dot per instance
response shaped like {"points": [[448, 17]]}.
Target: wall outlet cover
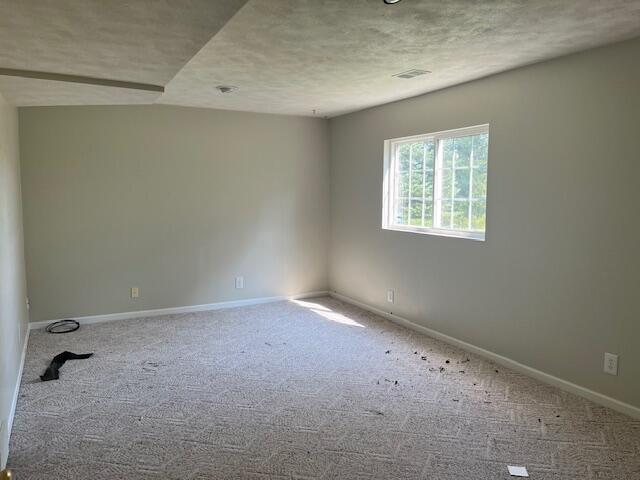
{"points": [[611, 363], [135, 292], [239, 282], [390, 296]]}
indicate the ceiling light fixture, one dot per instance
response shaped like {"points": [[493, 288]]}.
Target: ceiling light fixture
{"points": [[391, 2], [226, 88]]}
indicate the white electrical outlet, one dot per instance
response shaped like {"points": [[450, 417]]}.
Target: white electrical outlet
{"points": [[135, 292], [390, 296], [611, 363], [239, 282]]}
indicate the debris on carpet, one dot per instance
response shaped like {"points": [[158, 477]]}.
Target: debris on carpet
{"points": [[375, 412], [52, 371], [515, 471]]}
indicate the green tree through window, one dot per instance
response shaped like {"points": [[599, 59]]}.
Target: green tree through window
{"points": [[438, 182]]}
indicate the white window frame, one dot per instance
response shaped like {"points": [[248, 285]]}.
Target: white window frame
{"points": [[388, 184]]}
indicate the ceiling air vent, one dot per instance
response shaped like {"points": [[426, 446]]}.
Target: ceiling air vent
{"points": [[411, 73]]}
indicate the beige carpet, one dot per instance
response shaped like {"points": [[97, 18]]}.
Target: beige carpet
{"points": [[315, 389]]}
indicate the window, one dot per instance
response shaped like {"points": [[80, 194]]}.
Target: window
{"points": [[437, 183]]}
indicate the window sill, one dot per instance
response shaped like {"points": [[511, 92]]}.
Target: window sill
{"points": [[477, 236]]}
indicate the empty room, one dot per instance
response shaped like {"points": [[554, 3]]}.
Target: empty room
{"points": [[319, 239]]}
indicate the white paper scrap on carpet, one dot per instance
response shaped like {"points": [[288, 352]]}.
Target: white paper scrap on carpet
{"points": [[517, 471]]}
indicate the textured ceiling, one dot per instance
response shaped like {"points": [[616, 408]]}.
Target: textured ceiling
{"points": [[294, 56], [288, 56], [145, 41]]}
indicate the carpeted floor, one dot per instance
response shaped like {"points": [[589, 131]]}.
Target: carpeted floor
{"points": [[314, 389]]}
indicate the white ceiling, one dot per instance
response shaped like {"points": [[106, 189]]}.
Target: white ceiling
{"points": [[289, 56], [145, 41]]}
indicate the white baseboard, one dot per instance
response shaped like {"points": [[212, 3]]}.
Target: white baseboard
{"points": [[584, 392], [499, 359], [16, 392], [186, 309]]}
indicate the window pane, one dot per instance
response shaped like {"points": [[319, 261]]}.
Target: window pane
{"points": [[414, 183], [417, 155], [461, 214], [428, 152], [430, 148], [440, 183], [479, 183], [404, 153], [417, 183], [447, 153], [446, 184], [428, 214], [401, 215], [478, 215], [480, 149], [462, 151], [445, 214], [428, 185], [402, 173], [416, 212], [461, 182], [402, 187]]}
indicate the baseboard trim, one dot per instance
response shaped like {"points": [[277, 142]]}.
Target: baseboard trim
{"points": [[570, 387], [110, 317], [16, 392]]}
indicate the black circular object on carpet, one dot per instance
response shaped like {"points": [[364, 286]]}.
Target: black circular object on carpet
{"points": [[63, 326]]}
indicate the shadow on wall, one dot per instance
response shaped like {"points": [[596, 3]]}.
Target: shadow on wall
{"points": [[275, 223]]}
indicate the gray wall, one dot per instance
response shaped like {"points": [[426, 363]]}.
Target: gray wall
{"points": [[13, 309], [555, 284], [176, 201]]}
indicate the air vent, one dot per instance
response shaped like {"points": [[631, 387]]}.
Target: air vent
{"points": [[411, 73]]}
